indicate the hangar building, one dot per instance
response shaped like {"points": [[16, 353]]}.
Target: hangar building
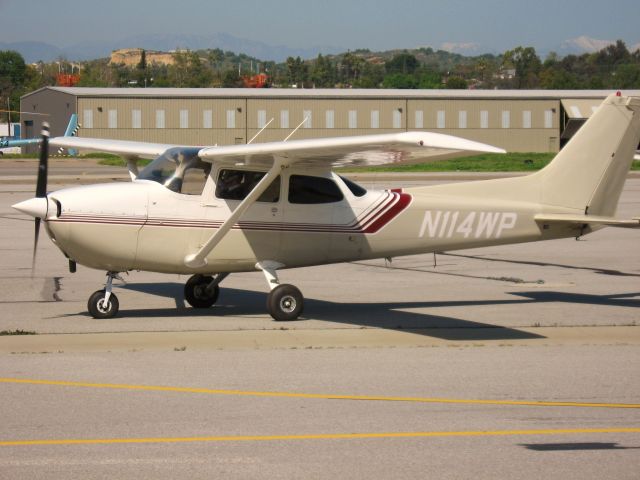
{"points": [[517, 120]]}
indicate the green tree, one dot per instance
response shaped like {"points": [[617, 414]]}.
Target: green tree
{"points": [[399, 80], [323, 73], [96, 73], [402, 63], [614, 54], [429, 80], [627, 76], [13, 73], [297, 72], [527, 65], [350, 69], [141, 70], [555, 78], [371, 76], [456, 83], [230, 79], [189, 71]]}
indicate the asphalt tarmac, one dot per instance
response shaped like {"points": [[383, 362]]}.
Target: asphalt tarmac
{"points": [[509, 362]]}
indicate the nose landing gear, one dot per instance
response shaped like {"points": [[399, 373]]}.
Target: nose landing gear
{"points": [[201, 291], [103, 303]]}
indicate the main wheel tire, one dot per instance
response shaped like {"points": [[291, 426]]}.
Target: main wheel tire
{"points": [[196, 294], [97, 307], [285, 303]]}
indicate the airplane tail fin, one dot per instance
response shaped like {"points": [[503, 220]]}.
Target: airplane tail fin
{"points": [[72, 128], [589, 173], [71, 131]]}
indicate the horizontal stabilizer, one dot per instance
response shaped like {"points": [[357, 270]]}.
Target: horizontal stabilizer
{"points": [[587, 220]]}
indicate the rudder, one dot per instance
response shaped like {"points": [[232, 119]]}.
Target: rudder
{"points": [[589, 173]]}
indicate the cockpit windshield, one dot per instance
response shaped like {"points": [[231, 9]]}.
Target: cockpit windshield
{"points": [[179, 169]]}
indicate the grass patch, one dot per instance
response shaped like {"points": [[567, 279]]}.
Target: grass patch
{"points": [[4, 333], [489, 162], [116, 161], [10, 156], [102, 155]]}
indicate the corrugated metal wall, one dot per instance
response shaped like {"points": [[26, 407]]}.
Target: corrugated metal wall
{"points": [[514, 124], [58, 108]]}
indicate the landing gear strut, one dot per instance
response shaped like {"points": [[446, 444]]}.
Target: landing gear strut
{"points": [[284, 302], [201, 291], [103, 303]]}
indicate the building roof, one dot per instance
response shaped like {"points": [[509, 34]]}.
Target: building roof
{"points": [[333, 93]]}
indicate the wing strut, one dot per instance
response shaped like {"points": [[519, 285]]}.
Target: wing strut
{"points": [[199, 259]]}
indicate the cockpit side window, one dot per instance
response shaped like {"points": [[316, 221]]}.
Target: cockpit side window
{"points": [[237, 184], [179, 169], [309, 190]]}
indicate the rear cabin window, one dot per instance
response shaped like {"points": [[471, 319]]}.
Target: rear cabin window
{"points": [[237, 184], [313, 190], [356, 189]]}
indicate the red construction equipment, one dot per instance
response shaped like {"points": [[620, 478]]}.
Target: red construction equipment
{"points": [[67, 80], [255, 81]]}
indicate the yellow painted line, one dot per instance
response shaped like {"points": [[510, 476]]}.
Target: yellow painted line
{"points": [[210, 391], [328, 436]]}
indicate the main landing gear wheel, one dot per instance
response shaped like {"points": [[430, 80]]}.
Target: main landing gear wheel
{"points": [[285, 302], [98, 308], [198, 293]]}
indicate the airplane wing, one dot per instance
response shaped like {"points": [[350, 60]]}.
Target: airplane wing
{"points": [[395, 148], [18, 143], [71, 130], [124, 148]]}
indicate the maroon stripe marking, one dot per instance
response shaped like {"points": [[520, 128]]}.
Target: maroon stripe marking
{"points": [[392, 201], [393, 212], [379, 218]]}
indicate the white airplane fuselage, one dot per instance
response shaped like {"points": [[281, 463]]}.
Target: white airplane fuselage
{"points": [[144, 226]]}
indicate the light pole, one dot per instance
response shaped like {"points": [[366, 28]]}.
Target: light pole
{"points": [[9, 115]]}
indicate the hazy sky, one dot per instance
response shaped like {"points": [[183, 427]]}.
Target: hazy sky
{"points": [[494, 25]]}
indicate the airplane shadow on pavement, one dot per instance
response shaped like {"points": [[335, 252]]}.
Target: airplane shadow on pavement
{"points": [[559, 447], [386, 315]]}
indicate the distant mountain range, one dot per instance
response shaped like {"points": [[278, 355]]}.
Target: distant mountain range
{"points": [[35, 51]]}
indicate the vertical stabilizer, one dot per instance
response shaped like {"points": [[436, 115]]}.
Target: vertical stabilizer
{"points": [[589, 173]]}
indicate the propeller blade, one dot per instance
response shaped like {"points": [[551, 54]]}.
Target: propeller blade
{"points": [[35, 246], [43, 165], [41, 186]]}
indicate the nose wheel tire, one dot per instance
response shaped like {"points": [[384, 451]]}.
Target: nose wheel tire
{"points": [[197, 294], [98, 308], [285, 303]]}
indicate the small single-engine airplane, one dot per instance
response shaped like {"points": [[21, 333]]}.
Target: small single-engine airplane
{"points": [[71, 131], [212, 211]]}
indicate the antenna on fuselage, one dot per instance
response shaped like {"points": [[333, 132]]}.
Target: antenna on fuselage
{"points": [[296, 129], [261, 130]]}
